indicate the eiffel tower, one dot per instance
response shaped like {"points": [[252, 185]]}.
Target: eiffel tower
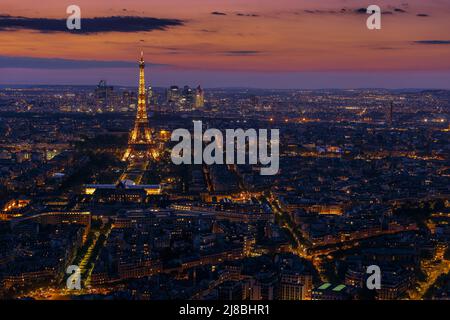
{"points": [[139, 142]]}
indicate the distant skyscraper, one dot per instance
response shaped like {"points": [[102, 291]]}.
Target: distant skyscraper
{"points": [[152, 99], [103, 94], [126, 98], [391, 113], [188, 99], [199, 97], [150, 96], [173, 94]]}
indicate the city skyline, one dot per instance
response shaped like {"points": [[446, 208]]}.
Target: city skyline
{"points": [[225, 155], [93, 205], [290, 44]]}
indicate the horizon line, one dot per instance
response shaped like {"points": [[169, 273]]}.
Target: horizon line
{"points": [[228, 87]]}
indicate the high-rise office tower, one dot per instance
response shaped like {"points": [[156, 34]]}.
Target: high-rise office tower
{"points": [[199, 97], [173, 94], [391, 113], [103, 94]]}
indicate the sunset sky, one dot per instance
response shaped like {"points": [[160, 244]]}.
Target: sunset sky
{"points": [[264, 43]]}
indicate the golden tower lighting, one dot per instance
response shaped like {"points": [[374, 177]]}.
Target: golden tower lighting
{"points": [[140, 136]]}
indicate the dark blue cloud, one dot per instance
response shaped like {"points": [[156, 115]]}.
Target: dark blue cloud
{"points": [[50, 63], [217, 13], [88, 25], [240, 14], [342, 11], [242, 53], [432, 42], [361, 10]]}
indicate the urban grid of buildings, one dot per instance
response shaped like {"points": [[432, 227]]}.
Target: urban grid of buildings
{"points": [[86, 179]]}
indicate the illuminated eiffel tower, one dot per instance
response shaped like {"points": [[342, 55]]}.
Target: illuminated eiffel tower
{"points": [[139, 142]]}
